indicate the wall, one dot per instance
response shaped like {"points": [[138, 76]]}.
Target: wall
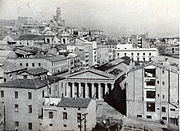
{"points": [[23, 116]]}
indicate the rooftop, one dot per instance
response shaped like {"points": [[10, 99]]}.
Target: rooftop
{"points": [[31, 37], [36, 71], [12, 67], [30, 83], [55, 58], [74, 102]]}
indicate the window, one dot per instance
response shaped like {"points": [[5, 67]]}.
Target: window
{"points": [[164, 118], [150, 106], [20, 64], [79, 108], [137, 53], [150, 82], [139, 116], [143, 53], [51, 115], [158, 95], [163, 82], [78, 117], [29, 95], [50, 124], [149, 117], [124, 54], [163, 109], [149, 53], [30, 108], [33, 64], [25, 76], [49, 90], [150, 94], [30, 126], [16, 107], [65, 125], [16, 123], [65, 115], [158, 82], [64, 108], [27, 64], [162, 71], [39, 64], [43, 93], [143, 59], [172, 109], [2, 94], [16, 94], [131, 53], [163, 96]]}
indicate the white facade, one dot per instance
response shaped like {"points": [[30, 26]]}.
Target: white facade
{"points": [[124, 46], [137, 54]]}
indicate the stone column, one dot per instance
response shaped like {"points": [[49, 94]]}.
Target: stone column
{"points": [[68, 90], [73, 90], [106, 88], [99, 91], [79, 87], [93, 90], [86, 91], [112, 86]]}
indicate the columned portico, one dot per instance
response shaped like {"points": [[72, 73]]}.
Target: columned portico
{"points": [[89, 84], [88, 90]]}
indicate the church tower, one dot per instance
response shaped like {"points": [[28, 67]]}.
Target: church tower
{"points": [[58, 14]]}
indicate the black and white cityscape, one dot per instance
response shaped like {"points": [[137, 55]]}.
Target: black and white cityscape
{"points": [[76, 65]]}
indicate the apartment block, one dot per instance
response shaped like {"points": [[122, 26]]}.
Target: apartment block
{"points": [[152, 91]]}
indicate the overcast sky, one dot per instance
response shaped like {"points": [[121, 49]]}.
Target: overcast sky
{"points": [[116, 17]]}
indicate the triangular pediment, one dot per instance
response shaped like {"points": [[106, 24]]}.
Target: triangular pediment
{"points": [[89, 74]]}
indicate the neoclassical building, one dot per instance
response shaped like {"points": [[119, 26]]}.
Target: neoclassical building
{"points": [[90, 83]]}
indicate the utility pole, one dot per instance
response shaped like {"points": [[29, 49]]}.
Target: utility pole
{"points": [[81, 124], [84, 115]]}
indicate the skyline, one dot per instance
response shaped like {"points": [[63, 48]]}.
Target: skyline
{"points": [[115, 17]]}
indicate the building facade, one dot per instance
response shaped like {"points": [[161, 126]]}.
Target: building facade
{"points": [[152, 91], [69, 114], [89, 84], [55, 64], [137, 54]]}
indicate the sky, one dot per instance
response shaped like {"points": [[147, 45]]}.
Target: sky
{"points": [[118, 18]]}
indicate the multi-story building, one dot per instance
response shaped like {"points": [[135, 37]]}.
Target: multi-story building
{"points": [[69, 114], [136, 54], [10, 71], [152, 91], [90, 49], [32, 40], [102, 54], [23, 102], [55, 64], [140, 41]]}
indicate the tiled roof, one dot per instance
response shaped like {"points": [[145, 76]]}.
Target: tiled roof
{"points": [[24, 83], [36, 71], [31, 37], [12, 67], [109, 65], [74, 102], [30, 83], [116, 71], [55, 58]]}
